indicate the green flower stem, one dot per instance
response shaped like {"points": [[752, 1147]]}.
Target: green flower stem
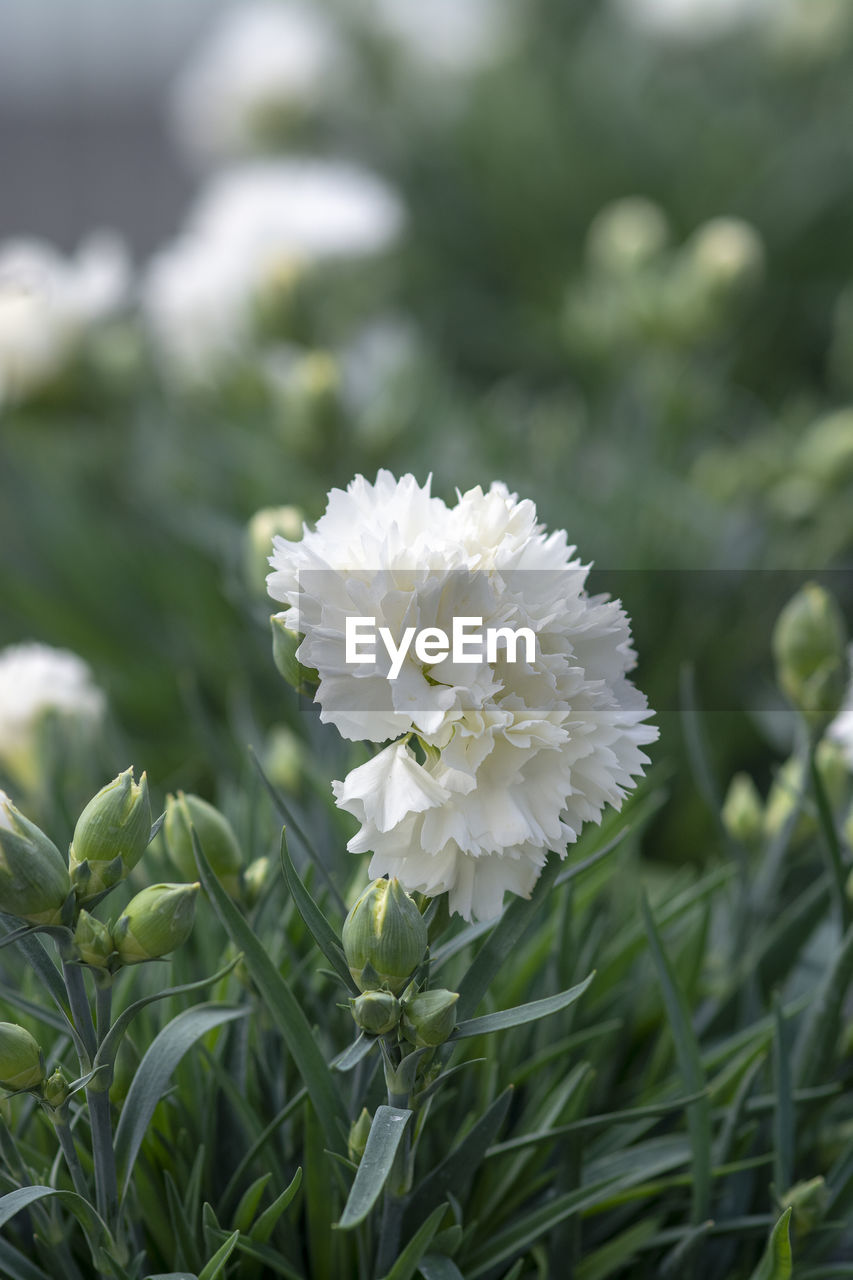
{"points": [[103, 1006], [66, 1142], [100, 1120], [830, 840]]}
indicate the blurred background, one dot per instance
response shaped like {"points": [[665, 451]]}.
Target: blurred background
{"points": [[600, 251]]}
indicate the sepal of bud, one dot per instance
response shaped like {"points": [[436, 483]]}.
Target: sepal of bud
{"points": [[21, 1059], [743, 810], [376, 1012], [430, 1017], [34, 882], [155, 922], [384, 937], [215, 834], [809, 642], [358, 1135], [111, 835], [93, 944]]}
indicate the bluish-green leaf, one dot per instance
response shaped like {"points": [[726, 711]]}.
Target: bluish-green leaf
{"points": [[284, 1009], [523, 1013], [407, 1261], [386, 1134], [777, 1261], [154, 1073], [266, 1223], [216, 1264], [93, 1225], [321, 931]]}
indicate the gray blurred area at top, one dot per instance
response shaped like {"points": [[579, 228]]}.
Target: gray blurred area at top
{"points": [[83, 137]]}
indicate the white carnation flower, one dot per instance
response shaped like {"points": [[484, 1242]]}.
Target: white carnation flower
{"points": [[700, 19], [453, 36], [48, 303], [491, 764], [251, 224], [260, 61], [36, 680], [841, 729]]}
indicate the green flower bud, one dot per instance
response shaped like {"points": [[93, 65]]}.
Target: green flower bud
{"points": [[55, 1091], [283, 758], [285, 642], [93, 943], [809, 647], [384, 937], [34, 880], [255, 879], [626, 235], [266, 524], [155, 922], [743, 811], [358, 1135], [216, 837], [809, 1201], [726, 255], [111, 835], [376, 1012], [21, 1059], [429, 1018]]}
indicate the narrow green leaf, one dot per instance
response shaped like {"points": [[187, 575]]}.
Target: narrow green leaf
{"points": [[173, 1275], [777, 1261], [216, 1265], [244, 1215], [284, 1009], [783, 1115], [15, 1266], [266, 1223], [154, 1073], [407, 1262], [458, 1168], [821, 1025], [517, 1017], [93, 1225], [437, 1266], [386, 1134], [321, 931], [616, 1254], [690, 1065], [106, 1054], [358, 1050]]}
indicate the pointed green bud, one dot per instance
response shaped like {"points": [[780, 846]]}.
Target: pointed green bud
{"points": [[358, 1135], [727, 255], [376, 1012], [809, 647], [55, 1091], [155, 922], [21, 1059], [384, 937], [429, 1018], [743, 810], [283, 758], [111, 835], [93, 944], [255, 879], [34, 882], [809, 1200], [186, 813], [626, 235]]}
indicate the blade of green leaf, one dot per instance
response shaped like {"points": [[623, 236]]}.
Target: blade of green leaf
{"points": [[777, 1262], [783, 1113], [154, 1073], [457, 1169], [386, 1133], [407, 1263], [93, 1225], [615, 1255], [244, 1214], [437, 1266], [16, 1267], [266, 1223], [820, 1028], [216, 1265], [284, 1009], [523, 1013], [690, 1065], [321, 931]]}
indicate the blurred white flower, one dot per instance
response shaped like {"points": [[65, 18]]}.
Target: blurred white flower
{"points": [[453, 36], [48, 304], [693, 18], [262, 61], [490, 764], [36, 680], [253, 225]]}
